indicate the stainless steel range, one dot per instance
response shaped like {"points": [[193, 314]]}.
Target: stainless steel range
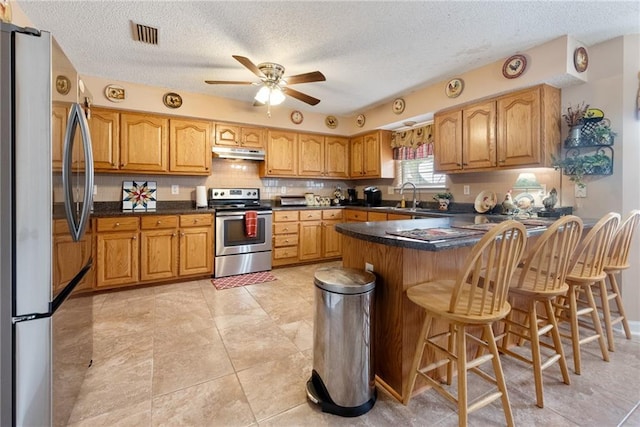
{"points": [[236, 250]]}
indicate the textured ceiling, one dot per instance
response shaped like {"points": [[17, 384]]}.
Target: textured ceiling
{"points": [[370, 52]]}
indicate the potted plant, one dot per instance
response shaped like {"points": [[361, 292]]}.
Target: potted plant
{"points": [[602, 134], [578, 166], [443, 200], [574, 118]]}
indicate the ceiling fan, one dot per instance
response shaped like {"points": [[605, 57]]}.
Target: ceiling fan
{"points": [[274, 85]]}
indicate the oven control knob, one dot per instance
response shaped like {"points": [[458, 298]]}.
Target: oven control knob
{"points": [[215, 194], [222, 193], [254, 193]]}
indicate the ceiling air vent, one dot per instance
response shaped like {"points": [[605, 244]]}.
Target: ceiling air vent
{"points": [[144, 33]]}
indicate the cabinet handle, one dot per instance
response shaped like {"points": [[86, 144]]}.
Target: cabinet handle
{"points": [[309, 216], [285, 229], [182, 234], [502, 161], [465, 164], [134, 238], [458, 164], [173, 235], [159, 222], [117, 224], [286, 241]]}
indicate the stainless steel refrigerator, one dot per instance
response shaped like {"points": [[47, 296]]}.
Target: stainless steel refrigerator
{"points": [[45, 335]]}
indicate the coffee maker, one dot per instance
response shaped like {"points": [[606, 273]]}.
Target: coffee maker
{"points": [[372, 196], [352, 196]]}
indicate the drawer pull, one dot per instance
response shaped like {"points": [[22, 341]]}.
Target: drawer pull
{"points": [[182, 234], [117, 224], [159, 222], [173, 235], [286, 241], [285, 229], [134, 238]]}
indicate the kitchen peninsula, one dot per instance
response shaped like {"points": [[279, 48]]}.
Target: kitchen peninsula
{"points": [[400, 263]]}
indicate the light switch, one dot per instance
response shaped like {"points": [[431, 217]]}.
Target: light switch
{"points": [[175, 189], [466, 190]]}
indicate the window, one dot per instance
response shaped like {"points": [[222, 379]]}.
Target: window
{"points": [[420, 172]]}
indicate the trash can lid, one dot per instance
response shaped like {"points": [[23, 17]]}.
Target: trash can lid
{"points": [[344, 280]]}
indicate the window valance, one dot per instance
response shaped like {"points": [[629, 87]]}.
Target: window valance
{"points": [[414, 143]]}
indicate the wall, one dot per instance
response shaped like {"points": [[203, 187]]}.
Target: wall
{"points": [[613, 87]]}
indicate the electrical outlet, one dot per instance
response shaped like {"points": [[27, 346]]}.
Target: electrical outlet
{"points": [[95, 190], [283, 190], [175, 189], [368, 267], [466, 190], [390, 189], [580, 192]]}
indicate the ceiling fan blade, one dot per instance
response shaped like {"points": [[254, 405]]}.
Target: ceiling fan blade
{"points": [[250, 65], [227, 82], [258, 104], [300, 96], [314, 76]]}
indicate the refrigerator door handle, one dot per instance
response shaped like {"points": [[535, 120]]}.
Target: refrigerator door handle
{"points": [[77, 119]]}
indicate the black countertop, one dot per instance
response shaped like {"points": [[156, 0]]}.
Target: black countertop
{"points": [[378, 232]]}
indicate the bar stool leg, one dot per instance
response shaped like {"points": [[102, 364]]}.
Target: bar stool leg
{"points": [[596, 323], [616, 290], [535, 352], [557, 342], [606, 314], [461, 353], [497, 368], [575, 329], [415, 365]]}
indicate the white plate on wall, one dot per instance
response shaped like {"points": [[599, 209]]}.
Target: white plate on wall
{"points": [[524, 201], [485, 201]]}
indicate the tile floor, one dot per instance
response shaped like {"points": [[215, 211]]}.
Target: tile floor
{"points": [[188, 355]]}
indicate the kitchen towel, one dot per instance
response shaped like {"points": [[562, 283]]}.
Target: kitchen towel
{"points": [[201, 196], [251, 223]]}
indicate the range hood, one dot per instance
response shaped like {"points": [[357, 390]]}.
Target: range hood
{"points": [[238, 153]]}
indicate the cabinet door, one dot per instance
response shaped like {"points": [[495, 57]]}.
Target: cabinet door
{"points": [[447, 146], [196, 251], [310, 240], [158, 254], [252, 137], [58, 128], [331, 239], [519, 136], [65, 249], [282, 154], [104, 126], [336, 157], [376, 216], [227, 135], [144, 143], [357, 159], [189, 149], [479, 136], [117, 259], [311, 155], [371, 155]]}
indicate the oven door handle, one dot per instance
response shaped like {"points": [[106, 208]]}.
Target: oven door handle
{"points": [[240, 215]]}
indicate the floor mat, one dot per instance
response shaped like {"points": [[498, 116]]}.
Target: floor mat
{"points": [[243, 280]]}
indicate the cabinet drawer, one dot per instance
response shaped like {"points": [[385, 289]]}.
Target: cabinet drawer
{"points": [[126, 223], [285, 228], [287, 252], [60, 226], [159, 221], [356, 215], [310, 215], [196, 220], [284, 216], [285, 240], [376, 216], [332, 214]]}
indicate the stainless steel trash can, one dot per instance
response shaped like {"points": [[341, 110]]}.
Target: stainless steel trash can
{"points": [[342, 381]]}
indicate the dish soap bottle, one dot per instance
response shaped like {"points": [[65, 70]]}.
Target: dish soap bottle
{"points": [[402, 202]]}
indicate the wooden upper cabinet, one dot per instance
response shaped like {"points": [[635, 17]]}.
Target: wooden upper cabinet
{"points": [[515, 130], [336, 157], [282, 154], [371, 155], [479, 136], [144, 142], [59, 115], [239, 136], [311, 155], [104, 127], [528, 128], [189, 146], [447, 147]]}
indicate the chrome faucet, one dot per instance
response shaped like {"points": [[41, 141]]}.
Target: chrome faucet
{"points": [[415, 201]]}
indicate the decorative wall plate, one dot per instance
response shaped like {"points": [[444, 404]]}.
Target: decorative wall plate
{"points": [[360, 120], [454, 88], [114, 93], [580, 59], [296, 117], [63, 85], [172, 100], [398, 105], [514, 66], [331, 122]]}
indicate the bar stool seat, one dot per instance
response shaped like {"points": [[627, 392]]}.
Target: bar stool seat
{"points": [[469, 302]]}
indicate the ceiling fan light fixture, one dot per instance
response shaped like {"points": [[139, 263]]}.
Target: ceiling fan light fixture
{"points": [[270, 95]]}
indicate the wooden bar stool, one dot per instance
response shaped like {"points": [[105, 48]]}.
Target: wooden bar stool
{"points": [[616, 261], [539, 279], [587, 268], [464, 303]]}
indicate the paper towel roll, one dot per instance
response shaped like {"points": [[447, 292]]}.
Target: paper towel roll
{"points": [[201, 196]]}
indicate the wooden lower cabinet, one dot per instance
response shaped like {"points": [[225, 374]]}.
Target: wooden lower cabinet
{"points": [[145, 249], [64, 250], [352, 215], [310, 235], [285, 238]]}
